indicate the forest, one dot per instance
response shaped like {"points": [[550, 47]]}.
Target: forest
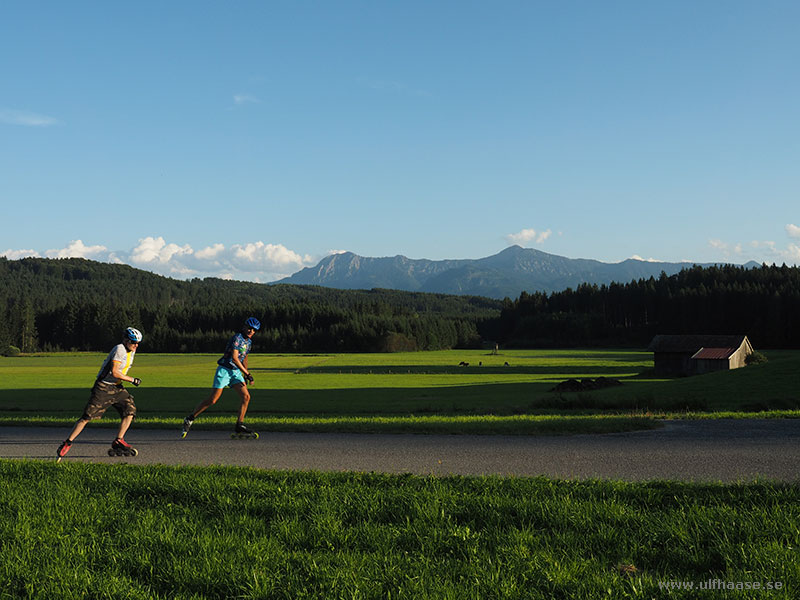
{"points": [[78, 304], [762, 303], [81, 305]]}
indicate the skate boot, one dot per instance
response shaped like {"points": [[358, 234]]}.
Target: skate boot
{"points": [[243, 433], [120, 447], [63, 449], [187, 423]]}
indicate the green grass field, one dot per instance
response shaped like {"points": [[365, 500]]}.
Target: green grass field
{"points": [[424, 391], [94, 531], [77, 530]]}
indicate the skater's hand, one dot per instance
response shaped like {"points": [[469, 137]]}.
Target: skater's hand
{"points": [[136, 381], [249, 378]]}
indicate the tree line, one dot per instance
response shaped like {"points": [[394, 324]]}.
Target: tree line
{"points": [[77, 304], [762, 303]]}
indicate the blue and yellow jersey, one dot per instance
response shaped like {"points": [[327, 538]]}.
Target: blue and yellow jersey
{"points": [[237, 342]]}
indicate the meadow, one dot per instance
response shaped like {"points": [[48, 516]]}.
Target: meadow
{"points": [[509, 392], [79, 530]]}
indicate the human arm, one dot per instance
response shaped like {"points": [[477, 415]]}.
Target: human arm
{"points": [[240, 363], [116, 372]]}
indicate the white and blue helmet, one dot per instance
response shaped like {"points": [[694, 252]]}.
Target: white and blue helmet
{"points": [[253, 322], [133, 335]]}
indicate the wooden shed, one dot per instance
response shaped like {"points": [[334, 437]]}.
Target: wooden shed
{"points": [[676, 355]]}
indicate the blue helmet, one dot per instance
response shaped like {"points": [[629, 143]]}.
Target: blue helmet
{"points": [[133, 335], [253, 322]]}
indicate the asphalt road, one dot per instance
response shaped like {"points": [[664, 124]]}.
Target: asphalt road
{"points": [[713, 450]]}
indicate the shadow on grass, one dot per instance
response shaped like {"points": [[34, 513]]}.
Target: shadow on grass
{"points": [[496, 398], [752, 389], [473, 399], [472, 368]]}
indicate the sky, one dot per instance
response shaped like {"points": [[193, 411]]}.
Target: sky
{"points": [[249, 140]]}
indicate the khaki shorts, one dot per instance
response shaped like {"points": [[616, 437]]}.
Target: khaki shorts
{"points": [[105, 395]]}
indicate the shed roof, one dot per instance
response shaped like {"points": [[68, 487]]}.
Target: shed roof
{"points": [[714, 353], [693, 343]]}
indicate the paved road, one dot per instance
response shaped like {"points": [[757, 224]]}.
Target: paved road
{"points": [[720, 450]]}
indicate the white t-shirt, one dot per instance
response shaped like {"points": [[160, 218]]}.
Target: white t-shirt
{"points": [[118, 354]]}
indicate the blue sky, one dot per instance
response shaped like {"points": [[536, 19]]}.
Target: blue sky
{"points": [[251, 139]]}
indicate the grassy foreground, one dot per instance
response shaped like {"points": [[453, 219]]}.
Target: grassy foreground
{"points": [[93, 531]]}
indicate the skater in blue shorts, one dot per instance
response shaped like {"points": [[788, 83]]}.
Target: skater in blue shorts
{"points": [[231, 372]]}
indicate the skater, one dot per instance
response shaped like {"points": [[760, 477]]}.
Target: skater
{"points": [[231, 372], [108, 391]]}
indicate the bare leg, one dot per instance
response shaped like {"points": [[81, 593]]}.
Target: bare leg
{"points": [[211, 400], [123, 426], [77, 429], [245, 395]]}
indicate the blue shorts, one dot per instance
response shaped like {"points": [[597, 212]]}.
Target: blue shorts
{"points": [[225, 377]]}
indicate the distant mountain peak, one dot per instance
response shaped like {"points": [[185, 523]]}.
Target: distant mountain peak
{"points": [[505, 274]]}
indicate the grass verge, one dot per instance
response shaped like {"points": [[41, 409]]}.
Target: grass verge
{"points": [[92, 531], [472, 424]]}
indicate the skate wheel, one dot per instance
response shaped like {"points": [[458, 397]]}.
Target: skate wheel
{"points": [[134, 452], [255, 436], [111, 452]]}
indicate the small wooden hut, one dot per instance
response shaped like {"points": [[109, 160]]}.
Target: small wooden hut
{"points": [[677, 355]]}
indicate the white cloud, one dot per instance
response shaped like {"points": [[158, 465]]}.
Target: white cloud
{"points": [[240, 99], [253, 261], [718, 244], [771, 246], [26, 118], [77, 249], [767, 251], [793, 230], [792, 254], [210, 252], [17, 254], [726, 248], [156, 250], [528, 235], [653, 260], [259, 256]]}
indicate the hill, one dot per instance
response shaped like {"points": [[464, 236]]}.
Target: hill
{"points": [[81, 304], [52, 304], [503, 275]]}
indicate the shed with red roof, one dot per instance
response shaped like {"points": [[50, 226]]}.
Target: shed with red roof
{"points": [[694, 354]]}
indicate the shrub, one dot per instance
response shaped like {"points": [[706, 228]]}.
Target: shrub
{"points": [[755, 358], [13, 351]]}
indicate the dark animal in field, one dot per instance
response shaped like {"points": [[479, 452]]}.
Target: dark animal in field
{"points": [[463, 364]]}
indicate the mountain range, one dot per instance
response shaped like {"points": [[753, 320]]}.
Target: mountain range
{"points": [[505, 274]]}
